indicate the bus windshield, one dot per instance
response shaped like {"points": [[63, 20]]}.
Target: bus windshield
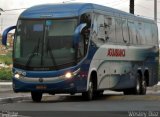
{"points": [[44, 44]]}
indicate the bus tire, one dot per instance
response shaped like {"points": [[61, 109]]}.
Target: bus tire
{"points": [[99, 93], [89, 94], [137, 88], [128, 91], [36, 96], [143, 87]]}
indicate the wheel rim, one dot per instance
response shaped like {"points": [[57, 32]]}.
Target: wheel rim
{"points": [[90, 91], [143, 87], [138, 87]]}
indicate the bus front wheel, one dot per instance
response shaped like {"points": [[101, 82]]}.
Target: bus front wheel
{"points": [[36, 96], [89, 94]]}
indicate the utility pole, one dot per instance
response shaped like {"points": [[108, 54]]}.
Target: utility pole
{"points": [[131, 7], [155, 10]]}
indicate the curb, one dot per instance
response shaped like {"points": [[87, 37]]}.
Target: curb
{"points": [[13, 99], [5, 83], [5, 86]]}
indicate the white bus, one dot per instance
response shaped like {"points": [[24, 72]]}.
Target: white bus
{"points": [[83, 48]]}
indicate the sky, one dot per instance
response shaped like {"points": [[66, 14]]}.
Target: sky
{"points": [[144, 8]]}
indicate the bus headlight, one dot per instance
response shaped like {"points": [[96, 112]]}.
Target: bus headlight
{"points": [[17, 76], [68, 75]]}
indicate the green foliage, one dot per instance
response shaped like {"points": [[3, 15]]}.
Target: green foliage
{"points": [[5, 74], [7, 59]]}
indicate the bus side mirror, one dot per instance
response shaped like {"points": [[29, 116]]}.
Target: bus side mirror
{"points": [[77, 33], [5, 33]]}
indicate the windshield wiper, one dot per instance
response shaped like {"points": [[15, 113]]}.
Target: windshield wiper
{"points": [[34, 52], [52, 56]]}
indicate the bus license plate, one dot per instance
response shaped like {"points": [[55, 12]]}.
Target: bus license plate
{"points": [[42, 87]]}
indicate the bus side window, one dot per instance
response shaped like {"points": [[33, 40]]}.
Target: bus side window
{"points": [[125, 31], [154, 34], [132, 32], [109, 24], [119, 36], [138, 35], [81, 48], [100, 27], [94, 29], [17, 47], [85, 39], [148, 34], [85, 18], [141, 33]]}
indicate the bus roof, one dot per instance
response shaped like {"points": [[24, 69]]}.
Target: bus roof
{"points": [[70, 10]]}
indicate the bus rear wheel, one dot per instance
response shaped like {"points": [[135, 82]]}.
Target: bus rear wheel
{"points": [[36, 96], [139, 89], [135, 90], [143, 87]]}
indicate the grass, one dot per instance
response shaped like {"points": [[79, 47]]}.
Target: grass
{"points": [[5, 74], [7, 59]]}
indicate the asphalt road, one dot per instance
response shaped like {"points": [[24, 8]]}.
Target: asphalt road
{"points": [[109, 105]]}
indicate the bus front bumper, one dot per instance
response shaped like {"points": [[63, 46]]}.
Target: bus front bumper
{"points": [[44, 85]]}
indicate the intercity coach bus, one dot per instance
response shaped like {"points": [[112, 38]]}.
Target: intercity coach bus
{"points": [[83, 48]]}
